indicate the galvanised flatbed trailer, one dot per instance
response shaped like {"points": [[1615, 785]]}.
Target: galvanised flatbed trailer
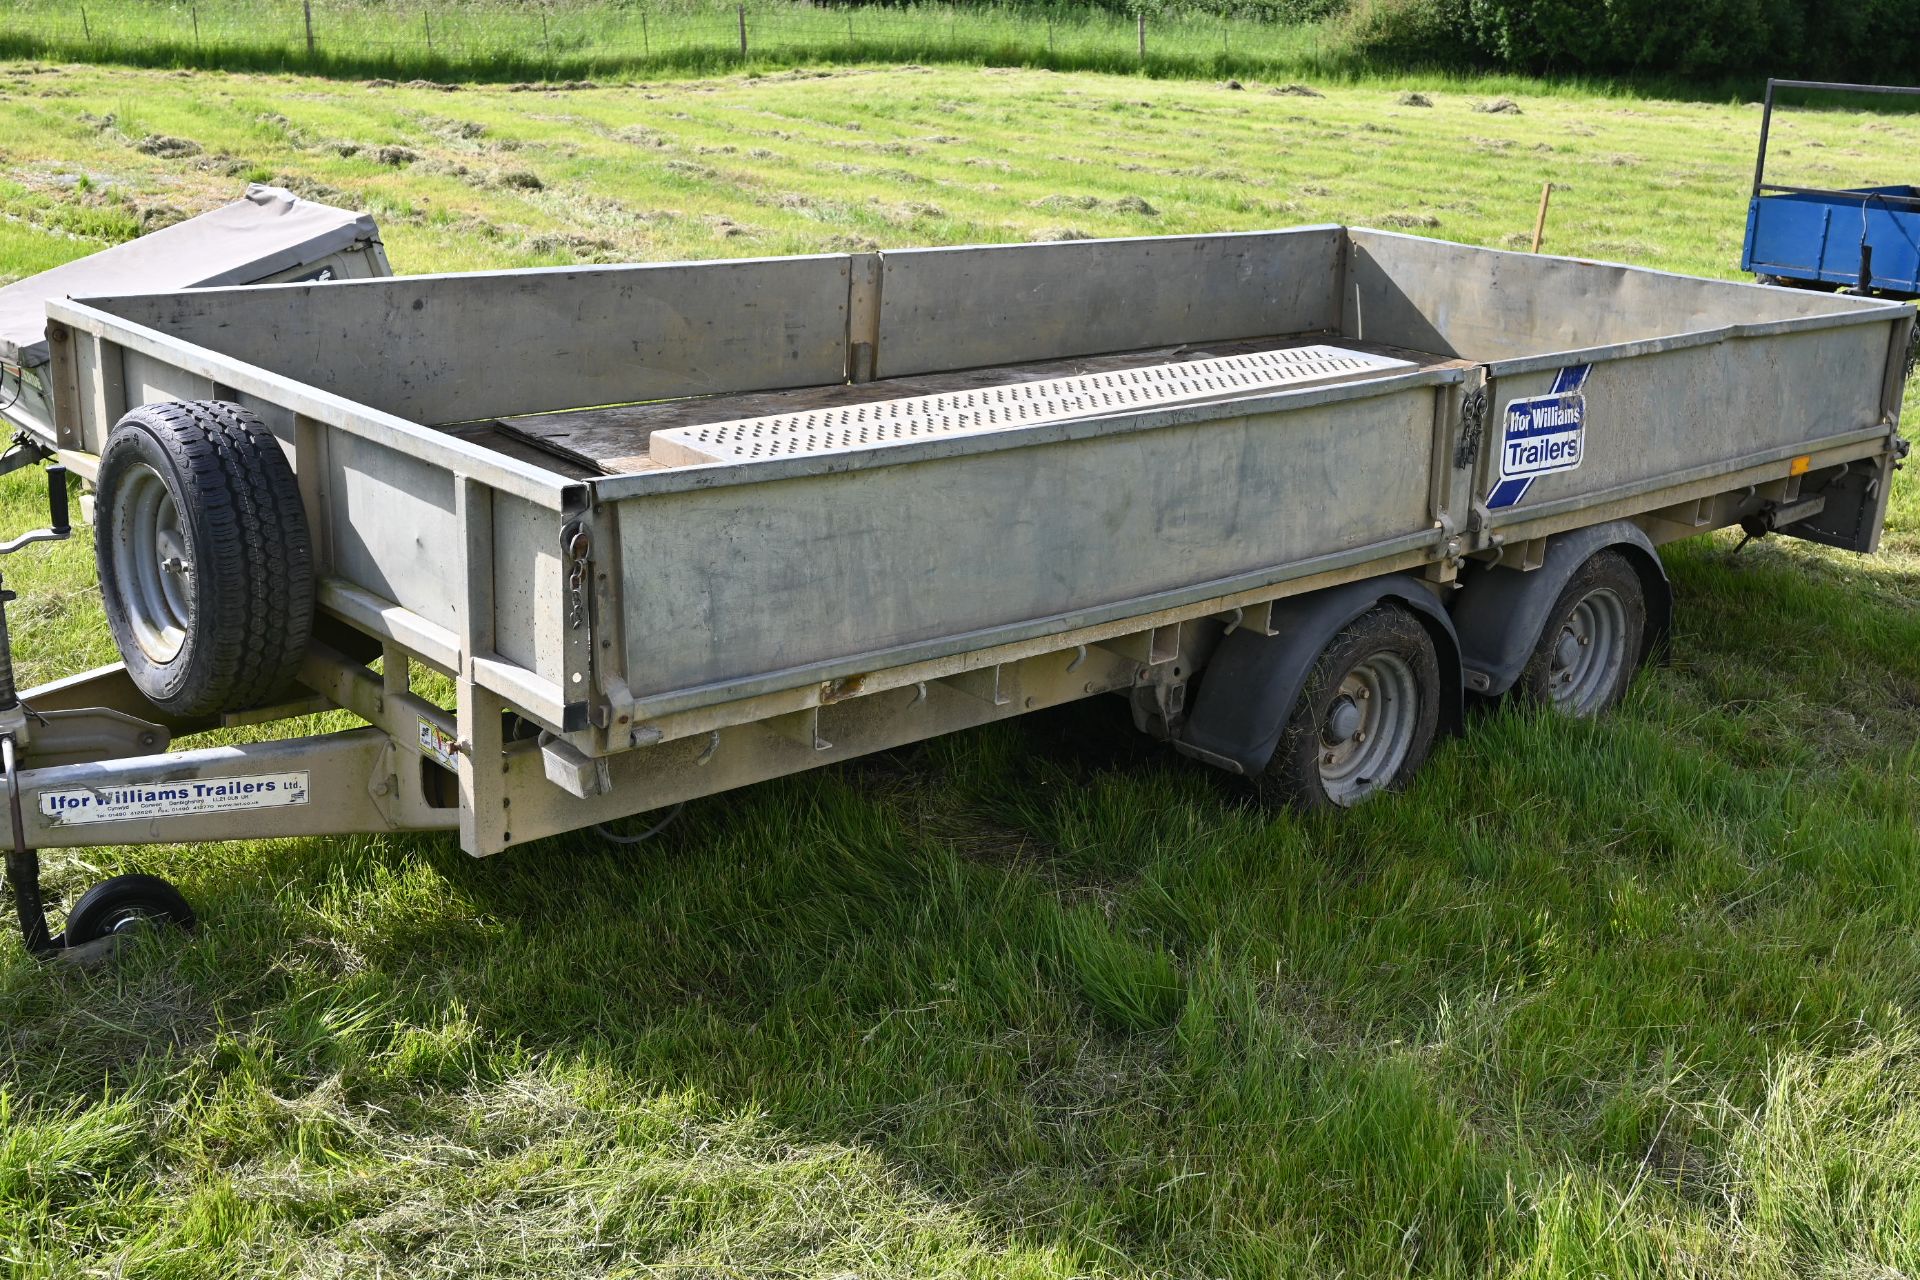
{"points": [[676, 529]]}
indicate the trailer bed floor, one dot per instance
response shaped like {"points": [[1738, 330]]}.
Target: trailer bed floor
{"points": [[614, 440]]}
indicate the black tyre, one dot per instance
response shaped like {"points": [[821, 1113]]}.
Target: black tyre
{"points": [[206, 566], [1593, 641], [1366, 719], [124, 903], [1788, 282]]}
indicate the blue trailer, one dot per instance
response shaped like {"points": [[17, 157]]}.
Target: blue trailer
{"points": [[1864, 239]]}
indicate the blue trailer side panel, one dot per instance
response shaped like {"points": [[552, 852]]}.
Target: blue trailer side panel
{"points": [[1818, 237]]}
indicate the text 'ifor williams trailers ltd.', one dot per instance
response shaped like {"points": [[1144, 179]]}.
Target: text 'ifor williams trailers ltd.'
{"points": [[674, 529]]}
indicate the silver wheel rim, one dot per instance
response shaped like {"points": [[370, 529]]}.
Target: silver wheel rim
{"points": [[126, 920], [1369, 728], [152, 573], [1588, 653]]}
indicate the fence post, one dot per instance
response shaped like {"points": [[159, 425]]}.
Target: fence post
{"points": [[546, 39], [195, 11], [1049, 33], [426, 20], [1540, 223], [306, 7], [741, 9], [85, 29], [646, 41], [1141, 17]]}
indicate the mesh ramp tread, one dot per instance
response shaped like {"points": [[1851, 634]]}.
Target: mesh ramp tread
{"points": [[1010, 406]]}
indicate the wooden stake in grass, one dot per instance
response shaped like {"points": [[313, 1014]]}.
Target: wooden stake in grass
{"points": [[86, 31], [1141, 20], [1540, 223], [306, 7], [742, 11]]}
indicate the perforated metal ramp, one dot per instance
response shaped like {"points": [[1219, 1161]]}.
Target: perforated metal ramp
{"points": [[1008, 407]]}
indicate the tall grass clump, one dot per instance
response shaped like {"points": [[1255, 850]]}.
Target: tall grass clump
{"points": [[1410, 32]]}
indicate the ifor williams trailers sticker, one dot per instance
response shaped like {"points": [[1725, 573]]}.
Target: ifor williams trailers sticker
{"points": [[1541, 435], [72, 806]]}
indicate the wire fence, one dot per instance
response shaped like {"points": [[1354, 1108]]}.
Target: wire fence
{"points": [[554, 40]]}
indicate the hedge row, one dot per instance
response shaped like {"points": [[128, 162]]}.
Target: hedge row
{"points": [[1868, 40]]}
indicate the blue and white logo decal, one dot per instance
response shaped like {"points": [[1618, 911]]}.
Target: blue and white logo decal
{"points": [[1541, 435]]}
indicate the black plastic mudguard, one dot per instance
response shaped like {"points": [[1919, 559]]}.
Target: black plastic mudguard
{"points": [[1499, 612], [1252, 682]]}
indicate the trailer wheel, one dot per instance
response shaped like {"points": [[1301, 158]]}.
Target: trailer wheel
{"points": [[1592, 641], [1791, 282], [125, 903], [206, 567], [1367, 715]]}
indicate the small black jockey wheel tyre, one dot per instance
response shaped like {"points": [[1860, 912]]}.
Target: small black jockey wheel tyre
{"points": [[206, 567], [1366, 719], [123, 904], [1592, 642]]}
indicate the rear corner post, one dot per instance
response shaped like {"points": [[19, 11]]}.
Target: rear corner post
{"points": [[1459, 418], [484, 819]]}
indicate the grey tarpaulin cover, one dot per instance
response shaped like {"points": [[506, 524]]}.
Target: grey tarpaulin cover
{"points": [[268, 232]]}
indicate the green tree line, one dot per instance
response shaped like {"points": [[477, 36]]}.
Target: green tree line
{"points": [[1867, 40]]}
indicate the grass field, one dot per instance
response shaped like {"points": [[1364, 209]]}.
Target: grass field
{"points": [[558, 39], [1639, 997]]}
